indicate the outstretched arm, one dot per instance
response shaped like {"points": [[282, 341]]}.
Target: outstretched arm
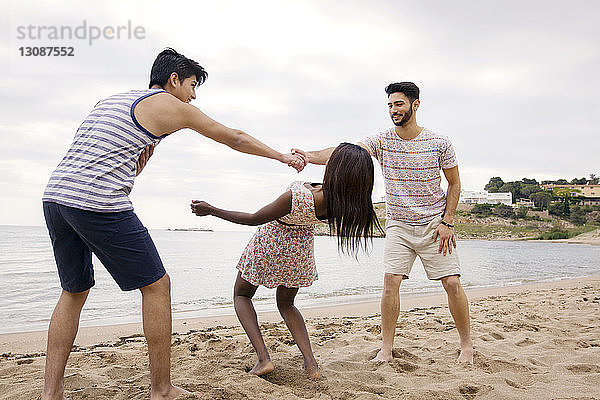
{"points": [[320, 157], [277, 209], [162, 114]]}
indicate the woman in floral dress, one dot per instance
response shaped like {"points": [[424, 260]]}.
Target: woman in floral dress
{"points": [[281, 252]]}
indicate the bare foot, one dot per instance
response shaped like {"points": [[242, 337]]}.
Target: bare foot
{"points": [[262, 368], [58, 396], [312, 372], [466, 353], [382, 357], [172, 393]]}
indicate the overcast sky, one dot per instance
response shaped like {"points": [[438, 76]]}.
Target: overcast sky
{"points": [[513, 84]]}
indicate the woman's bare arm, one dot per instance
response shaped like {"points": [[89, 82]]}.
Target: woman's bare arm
{"points": [[277, 209]]}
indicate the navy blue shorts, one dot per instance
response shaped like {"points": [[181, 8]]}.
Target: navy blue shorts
{"points": [[118, 239]]}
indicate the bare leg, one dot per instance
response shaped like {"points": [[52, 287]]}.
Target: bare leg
{"points": [[295, 323], [390, 310], [243, 291], [64, 324], [156, 315], [459, 308]]}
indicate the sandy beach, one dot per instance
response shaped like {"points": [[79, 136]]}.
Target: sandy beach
{"points": [[536, 341]]}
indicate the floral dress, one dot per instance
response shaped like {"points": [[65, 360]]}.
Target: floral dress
{"points": [[281, 252]]}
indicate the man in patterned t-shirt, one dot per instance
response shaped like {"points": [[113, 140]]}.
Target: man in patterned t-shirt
{"points": [[418, 212]]}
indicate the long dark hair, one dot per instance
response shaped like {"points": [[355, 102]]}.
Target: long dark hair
{"points": [[347, 188]]}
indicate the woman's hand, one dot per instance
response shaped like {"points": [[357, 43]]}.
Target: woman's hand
{"points": [[144, 157], [201, 208]]}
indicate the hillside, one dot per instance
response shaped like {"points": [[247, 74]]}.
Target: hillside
{"points": [[469, 226]]}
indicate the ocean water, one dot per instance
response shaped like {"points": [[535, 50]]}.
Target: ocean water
{"points": [[202, 270]]}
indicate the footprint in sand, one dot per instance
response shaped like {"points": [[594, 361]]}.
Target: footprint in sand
{"points": [[537, 363], [525, 342], [345, 366], [375, 330], [517, 385], [405, 355], [583, 368], [119, 373], [468, 389], [497, 365], [403, 366]]}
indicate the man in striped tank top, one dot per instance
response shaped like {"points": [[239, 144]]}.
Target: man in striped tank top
{"points": [[87, 208], [419, 215]]}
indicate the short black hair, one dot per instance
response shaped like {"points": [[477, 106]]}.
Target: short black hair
{"points": [[169, 61], [409, 89]]}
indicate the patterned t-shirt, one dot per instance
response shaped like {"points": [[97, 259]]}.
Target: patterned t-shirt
{"points": [[411, 171]]}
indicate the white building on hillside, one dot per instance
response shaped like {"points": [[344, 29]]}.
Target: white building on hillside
{"points": [[482, 196]]}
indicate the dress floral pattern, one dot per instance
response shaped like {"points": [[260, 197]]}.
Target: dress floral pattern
{"points": [[282, 253]]}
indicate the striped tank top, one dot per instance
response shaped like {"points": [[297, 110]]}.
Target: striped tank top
{"points": [[98, 171]]}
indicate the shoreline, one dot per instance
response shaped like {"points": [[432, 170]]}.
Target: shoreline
{"points": [[35, 341]]}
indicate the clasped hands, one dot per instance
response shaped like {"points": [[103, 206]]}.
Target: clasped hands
{"points": [[295, 159]]}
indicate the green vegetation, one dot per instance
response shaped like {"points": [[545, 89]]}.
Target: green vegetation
{"points": [[554, 234], [498, 210], [507, 222], [519, 189], [566, 233], [474, 230], [559, 202], [521, 212]]}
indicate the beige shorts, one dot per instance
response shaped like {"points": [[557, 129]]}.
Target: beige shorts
{"points": [[403, 243]]}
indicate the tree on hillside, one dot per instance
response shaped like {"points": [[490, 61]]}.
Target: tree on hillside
{"points": [[514, 188], [528, 189], [482, 210], [593, 179], [580, 181], [528, 181], [504, 211], [521, 212], [562, 208], [577, 215], [541, 199], [494, 184], [561, 182]]}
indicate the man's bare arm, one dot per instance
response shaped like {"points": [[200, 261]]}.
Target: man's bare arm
{"points": [[453, 194], [444, 232], [320, 157], [162, 114]]}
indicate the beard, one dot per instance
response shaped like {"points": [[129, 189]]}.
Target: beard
{"points": [[405, 118]]}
